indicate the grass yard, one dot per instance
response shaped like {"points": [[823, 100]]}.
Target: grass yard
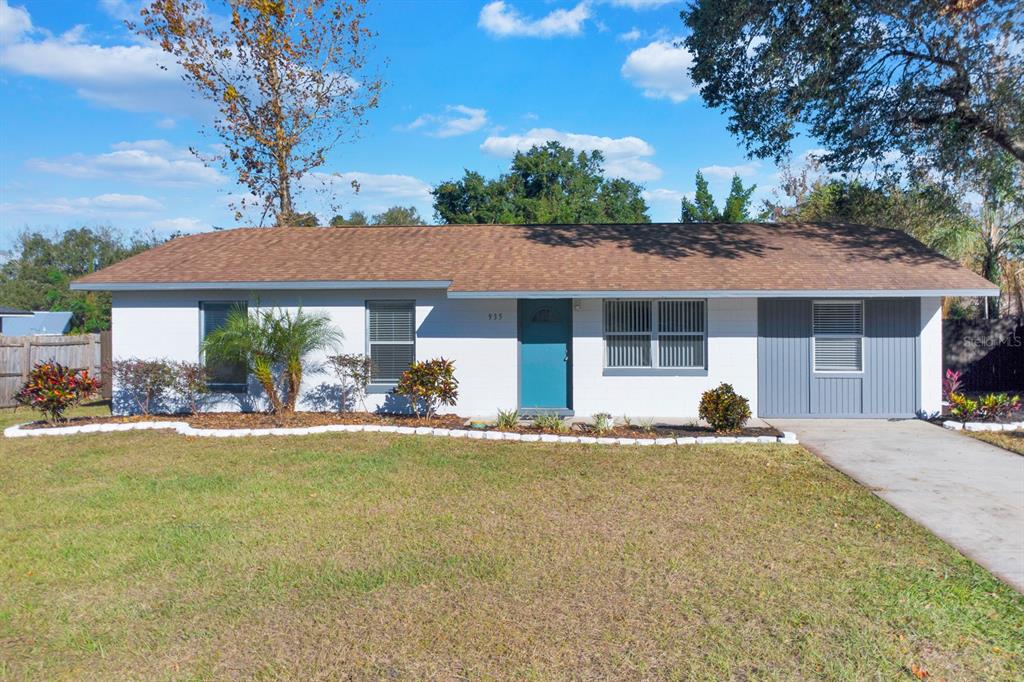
{"points": [[147, 555], [1008, 440]]}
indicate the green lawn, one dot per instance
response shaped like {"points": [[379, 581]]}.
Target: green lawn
{"points": [[148, 555]]}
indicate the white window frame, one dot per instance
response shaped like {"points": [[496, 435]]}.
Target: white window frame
{"points": [[814, 338], [654, 334], [370, 343]]}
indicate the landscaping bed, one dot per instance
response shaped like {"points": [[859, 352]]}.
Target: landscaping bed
{"points": [[261, 420]]}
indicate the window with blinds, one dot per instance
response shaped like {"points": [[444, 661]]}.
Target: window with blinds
{"points": [[658, 334], [838, 336], [391, 336], [230, 377]]}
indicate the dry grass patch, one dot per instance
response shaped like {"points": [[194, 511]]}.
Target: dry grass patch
{"points": [[149, 555], [1008, 440]]}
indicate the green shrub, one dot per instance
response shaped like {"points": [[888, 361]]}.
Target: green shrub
{"points": [[551, 422], [144, 382], [191, 381], [963, 408], [354, 370], [507, 419], [646, 425], [603, 422], [429, 384], [53, 389], [998, 406], [724, 409]]}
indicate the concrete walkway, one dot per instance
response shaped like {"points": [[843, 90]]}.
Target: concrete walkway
{"points": [[969, 493]]}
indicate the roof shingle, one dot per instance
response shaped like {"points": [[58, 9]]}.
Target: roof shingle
{"points": [[534, 258]]}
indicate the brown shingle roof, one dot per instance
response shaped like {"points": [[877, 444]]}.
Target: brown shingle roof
{"points": [[565, 258]]}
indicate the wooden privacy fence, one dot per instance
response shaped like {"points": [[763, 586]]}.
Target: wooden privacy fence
{"points": [[18, 354], [989, 353]]}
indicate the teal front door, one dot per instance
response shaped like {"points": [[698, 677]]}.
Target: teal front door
{"points": [[545, 344]]}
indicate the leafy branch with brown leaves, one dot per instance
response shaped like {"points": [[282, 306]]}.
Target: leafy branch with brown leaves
{"points": [[288, 78]]}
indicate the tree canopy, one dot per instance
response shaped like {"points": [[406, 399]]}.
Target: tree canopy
{"points": [[934, 83], [987, 236], [548, 184], [703, 209], [396, 215], [38, 275], [288, 78]]}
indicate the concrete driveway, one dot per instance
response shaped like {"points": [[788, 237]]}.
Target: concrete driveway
{"points": [[969, 493]]}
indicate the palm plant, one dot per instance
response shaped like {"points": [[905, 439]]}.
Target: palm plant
{"points": [[270, 340]]}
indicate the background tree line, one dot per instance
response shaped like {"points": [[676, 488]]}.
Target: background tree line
{"points": [[926, 95]]}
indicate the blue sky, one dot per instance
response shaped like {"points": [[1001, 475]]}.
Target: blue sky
{"points": [[95, 133]]}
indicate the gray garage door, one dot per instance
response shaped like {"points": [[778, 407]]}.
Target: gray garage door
{"points": [[838, 358]]}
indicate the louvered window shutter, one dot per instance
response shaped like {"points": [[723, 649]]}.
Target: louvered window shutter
{"points": [[838, 336], [392, 339]]}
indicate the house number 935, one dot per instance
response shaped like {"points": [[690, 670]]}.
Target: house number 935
{"points": [[494, 316]]}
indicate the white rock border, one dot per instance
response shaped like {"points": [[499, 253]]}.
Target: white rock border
{"points": [[16, 431], [982, 426]]}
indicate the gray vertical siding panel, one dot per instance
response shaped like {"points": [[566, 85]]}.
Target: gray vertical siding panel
{"points": [[783, 348], [836, 395], [887, 387], [891, 327]]}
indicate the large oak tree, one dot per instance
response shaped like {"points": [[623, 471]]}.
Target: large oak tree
{"points": [[935, 83]]}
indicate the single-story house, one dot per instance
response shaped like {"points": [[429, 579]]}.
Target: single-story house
{"points": [[805, 320]]}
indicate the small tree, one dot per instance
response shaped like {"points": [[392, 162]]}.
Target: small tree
{"points": [[191, 383], [270, 342], [146, 381], [53, 389], [353, 370], [429, 383], [289, 79], [703, 209]]}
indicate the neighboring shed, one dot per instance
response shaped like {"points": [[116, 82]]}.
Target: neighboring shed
{"points": [[39, 323], [10, 314]]}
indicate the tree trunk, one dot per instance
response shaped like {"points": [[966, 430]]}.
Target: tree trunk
{"points": [[265, 376], [282, 151], [294, 384]]}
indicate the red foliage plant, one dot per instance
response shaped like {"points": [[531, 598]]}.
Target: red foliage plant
{"points": [[53, 389]]}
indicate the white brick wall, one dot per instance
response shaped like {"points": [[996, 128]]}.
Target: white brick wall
{"points": [[479, 335]]}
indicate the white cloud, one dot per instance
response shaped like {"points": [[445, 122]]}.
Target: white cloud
{"points": [[14, 22], [624, 156], [179, 225], [458, 119], [125, 77], [662, 69], [744, 170], [503, 20], [331, 193], [148, 161], [166, 123], [640, 4], [101, 206], [664, 196], [630, 36], [389, 186], [121, 9]]}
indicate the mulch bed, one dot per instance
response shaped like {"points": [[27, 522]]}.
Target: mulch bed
{"points": [[259, 420]]}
